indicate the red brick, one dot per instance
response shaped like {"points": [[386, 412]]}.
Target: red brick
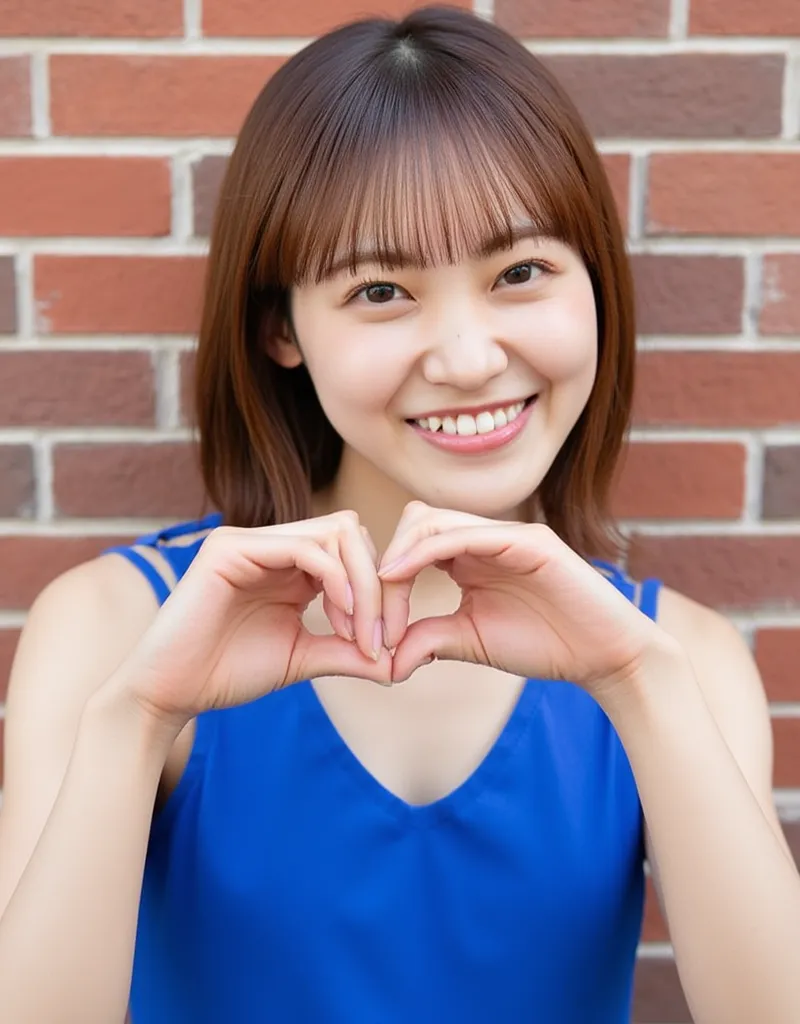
{"points": [[786, 732], [125, 196], [256, 18], [658, 996], [781, 488], [30, 563], [654, 928], [778, 656], [780, 306], [142, 18], [207, 175], [618, 170], [688, 294], [723, 572], [572, 18], [76, 389], [8, 295], [118, 294], [154, 95], [15, 96], [723, 194], [681, 481], [745, 18], [17, 486], [148, 480], [8, 645], [718, 389], [676, 95]]}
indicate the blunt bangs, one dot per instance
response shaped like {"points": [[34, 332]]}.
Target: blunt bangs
{"points": [[420, 161]]}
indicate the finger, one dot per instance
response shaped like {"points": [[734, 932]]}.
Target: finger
{"points": [[243, 556], [366, 588], [425, 522], [491, 542], [341, 622], [396, 610], [442, 637], [318, 656]]}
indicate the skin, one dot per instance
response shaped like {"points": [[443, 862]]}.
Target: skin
{"points": [[412, 552]]}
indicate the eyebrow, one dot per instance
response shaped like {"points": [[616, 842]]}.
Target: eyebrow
{"points": [[394, 258]]}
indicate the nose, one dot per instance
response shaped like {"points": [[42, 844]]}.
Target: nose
{"points": [[463, 352]]}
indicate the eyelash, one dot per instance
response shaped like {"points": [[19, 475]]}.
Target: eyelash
{"points": [[367, 282]]}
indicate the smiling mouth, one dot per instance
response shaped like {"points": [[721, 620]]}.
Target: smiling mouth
{"points": [[486, 421]]}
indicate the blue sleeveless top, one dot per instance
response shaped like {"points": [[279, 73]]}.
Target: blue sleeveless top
{"points": [[284, 884]]}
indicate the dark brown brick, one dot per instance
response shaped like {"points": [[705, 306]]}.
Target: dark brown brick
{"points": [[745, 17], [150, 480], [8, 645], [15, 96], [70, 389], [105, 18], [30, 563], [718, 389], [689, 294], [778, 655], [572, 18], [689, 96], [17, 486], [658, 996], [741, 572], [8, 296], [791, 829], [680, 481], [207, 177], [654, 928], [781, 498]]}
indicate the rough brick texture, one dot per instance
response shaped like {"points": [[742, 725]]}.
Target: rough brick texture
{"points": [[116, 121]]}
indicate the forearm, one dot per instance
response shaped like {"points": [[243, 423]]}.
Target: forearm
{"points": [[67, 934], [731, 894]]}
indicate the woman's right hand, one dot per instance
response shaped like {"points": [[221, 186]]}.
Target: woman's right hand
{"points": [[232, 630]]}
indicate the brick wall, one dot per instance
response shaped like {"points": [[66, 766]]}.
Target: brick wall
{"points": [[115, 120]]}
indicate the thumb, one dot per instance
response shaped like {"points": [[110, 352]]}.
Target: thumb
{"points": [[445, 637], [326, 655]]}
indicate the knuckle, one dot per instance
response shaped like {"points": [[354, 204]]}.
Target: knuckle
{"points": [[347, 520]]}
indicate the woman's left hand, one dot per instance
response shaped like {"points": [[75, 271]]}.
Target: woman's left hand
{"points": [[530, 605]]}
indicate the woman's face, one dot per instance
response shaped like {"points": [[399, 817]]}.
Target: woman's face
{"points": [[458, 382]]}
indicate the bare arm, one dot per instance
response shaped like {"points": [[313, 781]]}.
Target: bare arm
{"points": [[82, 769], [700, 746]]}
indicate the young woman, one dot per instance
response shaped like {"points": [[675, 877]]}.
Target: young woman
{"points": [[414, 371]]}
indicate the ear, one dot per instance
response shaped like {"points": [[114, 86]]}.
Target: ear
{"points": [[281, 346]]}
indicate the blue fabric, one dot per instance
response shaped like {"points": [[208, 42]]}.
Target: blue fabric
{"points": [[283, 883]]}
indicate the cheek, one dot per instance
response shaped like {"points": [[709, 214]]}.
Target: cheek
{"points": [[562, 338]]}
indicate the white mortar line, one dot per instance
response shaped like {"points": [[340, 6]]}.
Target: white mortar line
{"points": [[637, 199], [12, 620], [24, 294], [788, 804], [714, 343], [484, 9], [785, 709], [75, 246], [154, 146], [679, 20], [654, 950], [791, 96], [753, 481], [43, 468], [751, 307], [192, 20], [98, 435], [40, 95], [97, 343], [80, 527], [728, 529], [287, 45], [181, 187], [167, 364]]}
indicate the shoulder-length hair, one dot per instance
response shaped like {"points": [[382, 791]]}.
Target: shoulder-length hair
{"points": [[425, 136]]}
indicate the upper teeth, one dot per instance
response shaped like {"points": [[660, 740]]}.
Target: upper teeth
{"points": [[466, 425]]}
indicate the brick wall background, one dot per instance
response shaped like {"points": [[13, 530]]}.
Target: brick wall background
{"points": [[115, 120]]}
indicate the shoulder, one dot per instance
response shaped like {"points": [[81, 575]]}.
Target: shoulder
{"points": [[729, 680]]}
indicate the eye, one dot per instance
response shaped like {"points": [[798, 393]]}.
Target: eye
{"points": [[523, 273], [378, 293]]}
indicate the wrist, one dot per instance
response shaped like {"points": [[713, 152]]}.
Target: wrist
{"points": [[116, 707]]}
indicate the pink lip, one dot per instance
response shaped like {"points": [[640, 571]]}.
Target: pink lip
{"points": [[477, 443]]}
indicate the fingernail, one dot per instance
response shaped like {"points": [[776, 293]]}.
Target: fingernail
{"points": [[392, 565], [349, 599], [377, 639]]}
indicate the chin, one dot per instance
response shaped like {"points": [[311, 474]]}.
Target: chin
{"points": [[487, 501]]}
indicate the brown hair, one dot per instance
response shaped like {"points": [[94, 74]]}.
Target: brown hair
{"points": [[425, 135]]}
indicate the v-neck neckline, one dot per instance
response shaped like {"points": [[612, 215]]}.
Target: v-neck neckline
{"points": [[471, 788]]}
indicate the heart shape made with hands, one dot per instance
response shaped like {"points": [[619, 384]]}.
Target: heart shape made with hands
{"points": [[530, 606]]}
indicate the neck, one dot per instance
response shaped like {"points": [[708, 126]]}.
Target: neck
{"points": [[379, 501]]}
